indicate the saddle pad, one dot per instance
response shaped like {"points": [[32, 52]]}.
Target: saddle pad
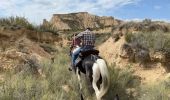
{"points": [[86, 53]]}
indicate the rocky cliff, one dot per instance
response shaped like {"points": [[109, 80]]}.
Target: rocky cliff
{"points": [[81, 20]]}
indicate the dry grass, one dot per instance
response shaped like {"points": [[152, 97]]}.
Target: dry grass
{"points": [[156, 41], [157, 91], [14, 23], [58, 82]]}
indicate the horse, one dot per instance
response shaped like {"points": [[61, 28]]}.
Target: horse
{"points": [[95, 70]]}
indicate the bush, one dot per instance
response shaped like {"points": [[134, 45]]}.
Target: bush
{"points": [[47, 28], [48, 48], [159, 91], [101, 38], [129, 37], [123, 83], [145, 26], [19, 86], [22, 22], [16, 21], [27, 86], [155, 41]]}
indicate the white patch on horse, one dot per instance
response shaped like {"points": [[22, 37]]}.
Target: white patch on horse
{"points": [[100, 68], [79, 79], [96, 76]]}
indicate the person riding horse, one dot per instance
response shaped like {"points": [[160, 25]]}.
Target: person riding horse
{"points": [[84, 41], [86, 59]]}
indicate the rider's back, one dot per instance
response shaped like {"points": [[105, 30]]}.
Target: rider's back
{"points": [[87, 38]]}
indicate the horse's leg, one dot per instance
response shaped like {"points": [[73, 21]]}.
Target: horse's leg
{"points": [[96, 76], [89, 79], [105, 77], [79, 79], [80, 85]]}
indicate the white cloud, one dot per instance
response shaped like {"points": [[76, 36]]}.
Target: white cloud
{"points": [[141, 19], [157, 7], [36, 10], [134, 19]]}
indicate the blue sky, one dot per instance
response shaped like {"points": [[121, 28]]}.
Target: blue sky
{"points": [[37, 10]]}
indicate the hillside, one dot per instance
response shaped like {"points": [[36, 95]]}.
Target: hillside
{"points": [[21, 42], [142, 45], [149, 75], [81, 20], [34, 59]]}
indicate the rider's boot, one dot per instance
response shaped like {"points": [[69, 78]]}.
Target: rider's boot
{"points": [[72, 67]]}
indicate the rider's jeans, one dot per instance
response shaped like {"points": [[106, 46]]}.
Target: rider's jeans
{"points": [[77, 51], [75, 54]]}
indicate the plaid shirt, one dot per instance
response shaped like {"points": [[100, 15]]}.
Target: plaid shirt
{"points": [[76, 42], [88, 38]]}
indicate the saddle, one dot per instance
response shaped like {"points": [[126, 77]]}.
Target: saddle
{"points": [[84, 54]]}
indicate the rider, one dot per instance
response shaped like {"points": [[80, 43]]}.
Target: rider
{"points": [[74, 50], [84, 41]]}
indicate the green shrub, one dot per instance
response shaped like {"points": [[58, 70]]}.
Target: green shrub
{"points": [[154, 41], [19, 86], [47, 28], [129, 37], [101, 38], [48, 47], [122, 80], [16, 21], [158, 91], [22, 22]]}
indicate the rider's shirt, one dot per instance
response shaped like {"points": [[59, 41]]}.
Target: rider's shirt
{"points": [[88, 38], [76, 42]]}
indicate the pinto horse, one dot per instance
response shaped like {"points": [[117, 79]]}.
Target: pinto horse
{"points": [[96, 71]]}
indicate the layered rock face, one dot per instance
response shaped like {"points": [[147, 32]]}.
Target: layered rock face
{"points": [[81, 20]]}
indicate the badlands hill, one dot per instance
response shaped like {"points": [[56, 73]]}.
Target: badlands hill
{"points": [[141, 45], [22, 42], [126, 42], [81, 20], [28, 51]]}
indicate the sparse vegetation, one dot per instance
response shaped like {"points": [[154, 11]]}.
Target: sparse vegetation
{"points": [[151, 43], [47, 28], [123, 83], [158, 91], [14, 23], [48, 48], [57, 83], [154, 41], [101, 38], [27, 86], [145, 26]]}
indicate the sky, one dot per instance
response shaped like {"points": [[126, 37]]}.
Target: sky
{"points": [[37, 10]]}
